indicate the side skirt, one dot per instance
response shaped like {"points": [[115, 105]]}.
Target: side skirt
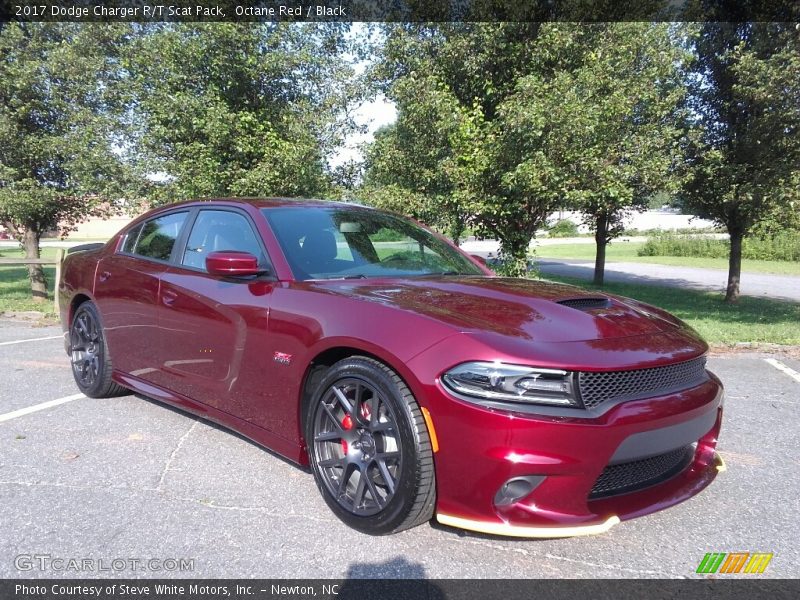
{"points": [[288, 449]]}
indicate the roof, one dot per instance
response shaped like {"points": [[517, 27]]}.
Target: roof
{"points": [[276, 202]]}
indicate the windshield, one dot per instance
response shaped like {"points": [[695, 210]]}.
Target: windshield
{"points": [[337, 242]]}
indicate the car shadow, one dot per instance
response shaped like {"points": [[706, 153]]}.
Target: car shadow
{"points": [[397, 578], [221, 428]]}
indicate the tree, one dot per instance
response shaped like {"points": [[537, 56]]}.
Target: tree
{"points": [[597, 122], [448, 81], [57, 130], [239, 109], [411, 166], [500, 124], [744, 153]]}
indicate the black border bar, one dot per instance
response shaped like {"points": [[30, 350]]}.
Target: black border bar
{"points": [[747, 586], [398, 10]]}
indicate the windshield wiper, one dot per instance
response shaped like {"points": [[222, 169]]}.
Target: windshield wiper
{"points": [[359, 276], [441, 273]]}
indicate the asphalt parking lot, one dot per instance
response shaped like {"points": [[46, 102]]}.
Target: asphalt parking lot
{"points": [[127, 478]]}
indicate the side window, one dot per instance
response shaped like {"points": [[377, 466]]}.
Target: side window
{"points": [[130, 239], [216, 230], [158, 236]]}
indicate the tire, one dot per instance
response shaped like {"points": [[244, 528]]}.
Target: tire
{"points": [[91, 363], [369, 448]]}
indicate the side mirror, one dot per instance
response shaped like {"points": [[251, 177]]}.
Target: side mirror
{"points": [[232, 263]]}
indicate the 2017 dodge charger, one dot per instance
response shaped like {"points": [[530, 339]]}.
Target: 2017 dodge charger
{"points": [[412, 380]]}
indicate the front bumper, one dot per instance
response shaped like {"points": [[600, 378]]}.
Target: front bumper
{"points": [[550, 531], [480, 450]]}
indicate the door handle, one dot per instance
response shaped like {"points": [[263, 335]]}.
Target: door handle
{"points": [[105, 276], [168, 298]]}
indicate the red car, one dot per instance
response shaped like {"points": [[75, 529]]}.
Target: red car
{"points": [[412, 380]]}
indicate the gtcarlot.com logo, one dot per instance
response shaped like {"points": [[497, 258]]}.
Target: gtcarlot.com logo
{"points": [[734, 562], [47, 562]]}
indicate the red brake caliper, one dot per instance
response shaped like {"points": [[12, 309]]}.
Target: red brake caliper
{"points": [[347, 425]]}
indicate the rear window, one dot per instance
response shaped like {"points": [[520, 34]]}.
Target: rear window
{"points": [[158, 236], [130, 239]]}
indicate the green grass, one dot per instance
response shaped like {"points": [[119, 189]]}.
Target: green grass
{"points": [[46, 252], [758, 320], [626, 252], [15, 287]]}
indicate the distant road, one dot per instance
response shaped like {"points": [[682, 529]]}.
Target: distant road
{"points": [[483, 247], [781, 287]]}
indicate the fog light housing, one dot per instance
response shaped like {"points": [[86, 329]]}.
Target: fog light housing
{"points": [[516, 488]]}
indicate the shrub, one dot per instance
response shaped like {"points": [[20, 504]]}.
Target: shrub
{"points": [[780, 246], [387, 235], [563, 228], [784, 245], [670, 244]]}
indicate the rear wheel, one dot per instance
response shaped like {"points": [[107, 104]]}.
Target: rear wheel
{"points": [[369, 448], [91, 363]]}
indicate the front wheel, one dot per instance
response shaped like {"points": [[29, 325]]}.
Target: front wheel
{"points": [[91, 363], [369, 448]]}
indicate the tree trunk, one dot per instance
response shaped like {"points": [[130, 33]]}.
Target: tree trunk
{"points": [[514, 257], [600, 240], [30, 241], [734, 266]]}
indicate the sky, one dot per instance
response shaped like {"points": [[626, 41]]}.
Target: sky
{"points": [[373, 114]]}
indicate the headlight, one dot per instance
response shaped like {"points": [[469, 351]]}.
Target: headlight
{"points": [[513, 383]]}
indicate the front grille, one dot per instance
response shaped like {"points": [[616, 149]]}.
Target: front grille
{"points": [[638, 474], [585, 303], [599, 387]]}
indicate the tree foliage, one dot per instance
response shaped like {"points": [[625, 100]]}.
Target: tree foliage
{"points": [[57, 128], [498, 124], [596, 122], [229, 109], [448, 81], [745, 144], [412, 165]]}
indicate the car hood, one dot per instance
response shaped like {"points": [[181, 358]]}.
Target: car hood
{"points": [[520, 308]]}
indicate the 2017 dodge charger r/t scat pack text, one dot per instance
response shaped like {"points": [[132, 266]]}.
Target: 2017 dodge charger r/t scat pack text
{"points": [[412, 380]]}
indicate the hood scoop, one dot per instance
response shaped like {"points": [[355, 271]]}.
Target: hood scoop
{"points": [[585, 304]]}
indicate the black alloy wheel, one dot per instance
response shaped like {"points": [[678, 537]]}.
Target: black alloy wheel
{"points": [[369, 448], [91, 363]]}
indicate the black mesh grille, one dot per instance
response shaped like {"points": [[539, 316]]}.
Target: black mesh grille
{"points": [[638, 474], [586, 303], [596, 388]]}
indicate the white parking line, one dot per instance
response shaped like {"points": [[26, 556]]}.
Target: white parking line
{"points": [[782, 367], [52, 337], [37, 407]]}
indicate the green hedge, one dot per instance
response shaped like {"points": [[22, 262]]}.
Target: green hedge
{"points": [[563, 228], [781, 246]]}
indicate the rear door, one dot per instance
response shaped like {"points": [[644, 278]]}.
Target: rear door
{"points": [[213, 330], [126, 290]]}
